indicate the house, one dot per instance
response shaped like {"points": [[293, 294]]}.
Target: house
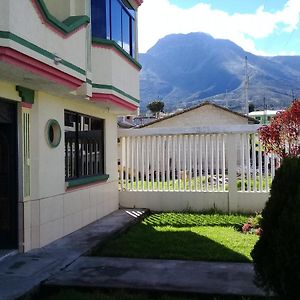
{"points": [[130, 121], [203, 114], [68, 68], [264, 116]]}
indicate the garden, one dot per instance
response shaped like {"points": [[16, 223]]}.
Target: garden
{"points": [[187, 236], [271, 239]]}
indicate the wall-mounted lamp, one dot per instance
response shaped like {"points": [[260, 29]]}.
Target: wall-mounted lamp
{"points": [[57, 59]]}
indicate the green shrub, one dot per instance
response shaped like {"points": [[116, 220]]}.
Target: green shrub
{"points": [[276, 255]]}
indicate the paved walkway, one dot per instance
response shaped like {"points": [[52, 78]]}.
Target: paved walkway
{"points": [[21, 273], [159, 275], [63, 263]]}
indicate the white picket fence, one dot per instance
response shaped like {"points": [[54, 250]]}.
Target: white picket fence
{"points": [[203, 168]]}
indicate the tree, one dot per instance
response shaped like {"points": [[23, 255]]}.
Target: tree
{"points": [[276, 255], [156, 106], [282, 135]]}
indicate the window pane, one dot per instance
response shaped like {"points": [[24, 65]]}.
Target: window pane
{"points": [[84, 146], [132, 46], [129, 8], [99, 25], [126, 31], [116, 17]]}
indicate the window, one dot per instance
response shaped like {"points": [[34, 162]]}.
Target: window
{"points": [[84, 146], [114, 20]]}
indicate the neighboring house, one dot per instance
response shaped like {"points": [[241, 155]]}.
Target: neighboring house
{"points": [[130, 121], [263, 116], [67, 69], [204, 114]]}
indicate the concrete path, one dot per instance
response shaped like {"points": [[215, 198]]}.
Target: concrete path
{"points": [[159, 275], [21, 273]]}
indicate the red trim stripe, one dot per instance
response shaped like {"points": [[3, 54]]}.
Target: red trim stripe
{"points": [[26, 105], [30, 64], [101, 97], [139, 2]]}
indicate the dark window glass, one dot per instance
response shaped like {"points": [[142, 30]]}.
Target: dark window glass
{"points": [[84, 146], [116, 21], [132, 43], [126, 31]]}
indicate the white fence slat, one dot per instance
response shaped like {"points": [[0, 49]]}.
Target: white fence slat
{"points": [[184, 161], [206, 139], [223, 163], [201, 162], [253, 139], [148, 145], [195, 161], [158, 143], [143, 162], [260, 167], [190, 162], [218, 162], [173, 160]]}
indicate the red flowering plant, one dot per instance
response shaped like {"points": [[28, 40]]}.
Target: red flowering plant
{"points": [[253, 225], [282, 135]]}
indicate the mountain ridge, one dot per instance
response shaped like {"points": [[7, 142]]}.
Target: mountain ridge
{"points": [[186, 69]]}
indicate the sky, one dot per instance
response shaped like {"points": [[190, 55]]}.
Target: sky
{"points": [[262, 27]]}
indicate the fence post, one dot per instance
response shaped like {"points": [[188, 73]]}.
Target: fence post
{"points": [[232, 172]]}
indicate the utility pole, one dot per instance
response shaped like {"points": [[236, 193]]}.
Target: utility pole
{"points": [[226, 99], [265, 112], [246, 87], [293, 95]]}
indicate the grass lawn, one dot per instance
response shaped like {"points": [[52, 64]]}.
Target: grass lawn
{"points": [[67, 294], [184, 236]]}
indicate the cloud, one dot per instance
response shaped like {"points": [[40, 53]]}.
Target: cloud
{"points": [[158, 18]]}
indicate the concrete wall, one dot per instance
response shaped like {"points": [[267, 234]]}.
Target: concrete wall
{"points": [[53, 211], [194, 201], [4, 20], [207, 115], [62, 9], [26, 23]]}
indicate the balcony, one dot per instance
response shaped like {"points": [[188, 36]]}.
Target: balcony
{"points": [[37, 45], [115, 75]]}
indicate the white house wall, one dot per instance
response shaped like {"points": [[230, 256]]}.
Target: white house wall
{"points": [[52, 211], [112, 68], [55, 211], [39, 33], [4, 20]]}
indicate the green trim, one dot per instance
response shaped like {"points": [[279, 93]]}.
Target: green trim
{"points": [[67, 26], [86, 180], [27, 95], [111, 43], [89, 81], [33, 47], [110, 87]]}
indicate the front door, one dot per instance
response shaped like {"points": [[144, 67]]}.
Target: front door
{"points": [[8, 176]]}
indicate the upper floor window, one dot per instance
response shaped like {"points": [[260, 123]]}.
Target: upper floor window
{"points": [[114, 20]]}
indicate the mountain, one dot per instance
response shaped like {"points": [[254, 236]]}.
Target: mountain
{"points": [[185, 69]]}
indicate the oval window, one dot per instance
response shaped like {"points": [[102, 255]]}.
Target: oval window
{"points": [[53, 133]]}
